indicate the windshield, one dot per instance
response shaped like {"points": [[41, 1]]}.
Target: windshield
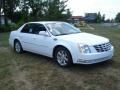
{"points": [[61, 29]]}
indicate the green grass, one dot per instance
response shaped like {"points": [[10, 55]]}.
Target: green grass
{"points": [[29, 71], [4, 39]]}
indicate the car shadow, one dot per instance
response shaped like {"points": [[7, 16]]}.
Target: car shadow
{"points": [[76, 67], [96, 65]]}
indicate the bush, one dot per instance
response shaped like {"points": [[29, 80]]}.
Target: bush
{"points": [[80, 24], [21, 22], [4, 28], [8, 28], [11, 26]]}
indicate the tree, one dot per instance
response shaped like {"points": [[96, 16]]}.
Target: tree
{"points": [[24, 6], [1, 6], [5, 11], [99, 17], [31, 10], [117, 18], [56, 10], [103, 18], [9, 7], [18, 16], [37, 7]]}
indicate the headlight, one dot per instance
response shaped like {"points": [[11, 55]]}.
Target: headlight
{"points": [[84, 48]]}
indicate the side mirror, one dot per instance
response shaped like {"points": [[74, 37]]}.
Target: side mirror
{"points": [[44, 33]]}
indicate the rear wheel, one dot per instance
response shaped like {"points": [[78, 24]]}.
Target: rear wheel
{"points": [[18, 47], [63, 57]]}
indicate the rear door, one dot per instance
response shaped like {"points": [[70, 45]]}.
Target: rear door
{"points": [[26, 37]]}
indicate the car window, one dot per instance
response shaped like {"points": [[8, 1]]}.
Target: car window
{"points": [[33, 28], [37, 28], [26, 28], [62, 29]]}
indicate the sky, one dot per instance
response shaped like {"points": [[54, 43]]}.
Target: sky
{"points": [[108, 7]]}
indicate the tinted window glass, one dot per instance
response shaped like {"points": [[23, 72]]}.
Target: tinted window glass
{"points": [[37, 28], [33, 28], [26, 28]]}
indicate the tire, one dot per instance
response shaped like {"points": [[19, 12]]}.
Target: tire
{"points": [[63, 57], [18, 47]]}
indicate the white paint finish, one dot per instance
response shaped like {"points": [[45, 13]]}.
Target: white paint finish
{"points": [[44, 45], [27, 41], [85, 38]]}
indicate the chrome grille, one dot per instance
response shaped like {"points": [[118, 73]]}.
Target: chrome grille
{"points": [[103, 47]]}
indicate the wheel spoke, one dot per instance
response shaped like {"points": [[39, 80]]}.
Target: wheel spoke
{"points": [[62, 57], [59, 54], [17, 47]]}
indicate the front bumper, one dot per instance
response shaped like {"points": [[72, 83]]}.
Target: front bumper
{"points": [[95, 57]]}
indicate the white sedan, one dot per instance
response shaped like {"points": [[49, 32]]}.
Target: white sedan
{"points": [[61, 41]]}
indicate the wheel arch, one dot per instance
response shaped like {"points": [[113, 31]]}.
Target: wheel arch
{"points": [[16, 39], [58, 46]]}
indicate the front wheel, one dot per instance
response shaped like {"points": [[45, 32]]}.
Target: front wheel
{"points": [[18, 47], [63, 57]]}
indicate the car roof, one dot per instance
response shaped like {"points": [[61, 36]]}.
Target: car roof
{"points": [[45, 22]]}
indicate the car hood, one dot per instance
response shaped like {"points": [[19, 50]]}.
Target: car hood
{"points": [[84, 38]]}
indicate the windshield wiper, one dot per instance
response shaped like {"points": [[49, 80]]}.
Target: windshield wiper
{"points": [[66, 33], [61, 34]]}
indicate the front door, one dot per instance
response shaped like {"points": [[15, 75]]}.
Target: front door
{"points": [[42, 43]]}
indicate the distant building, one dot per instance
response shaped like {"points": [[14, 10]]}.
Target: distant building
{"points": [[90, 17], [75, 19], [2, 20]]}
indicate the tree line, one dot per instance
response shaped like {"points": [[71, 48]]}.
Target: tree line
{"points": [[34, 10], [100, 18], [118, 17]]}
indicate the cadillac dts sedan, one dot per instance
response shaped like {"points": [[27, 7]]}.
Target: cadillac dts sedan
{"points": [[61, 41]]}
